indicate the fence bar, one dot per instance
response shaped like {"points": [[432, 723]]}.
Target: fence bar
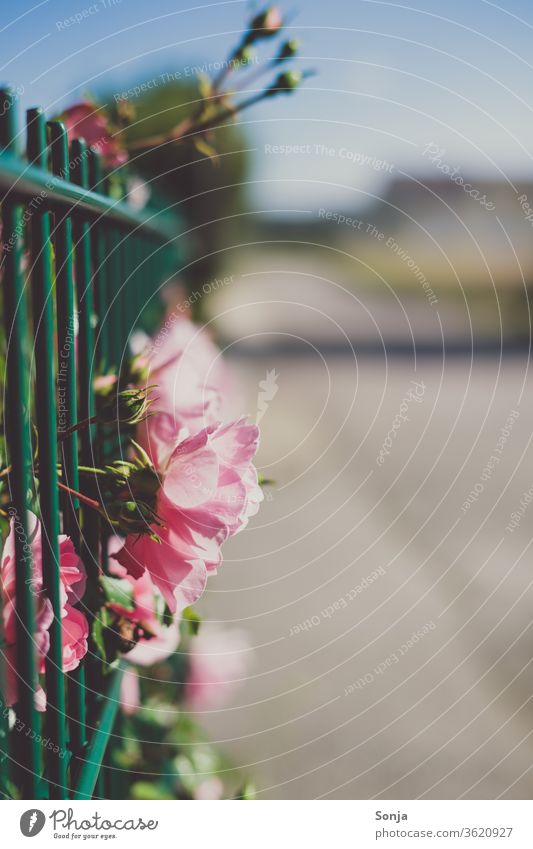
{"points": [[27, 182], [82, 240], [97, 183], [45, 390], [109, 257], [67, 405], [100, 738], [18, 435], [113, 318]]}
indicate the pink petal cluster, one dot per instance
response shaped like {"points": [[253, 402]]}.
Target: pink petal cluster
{"points": [[208, 492], [218, 661], [159, 641], [86, 120], [75, 629], [194, 386], [209, 486]]}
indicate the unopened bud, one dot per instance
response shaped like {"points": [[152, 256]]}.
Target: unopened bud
{"points": [[287, 50], [132, 517], [144, 483], [285, 83], [264, 25], [130, 406], [244, 55], [121, 634]]}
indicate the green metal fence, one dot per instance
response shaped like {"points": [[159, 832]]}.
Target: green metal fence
{"points": [[73, 257]]}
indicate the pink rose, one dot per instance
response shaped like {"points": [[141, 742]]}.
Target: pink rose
{"points": [[75, 628], [75, 631], [88, 121], [218, 660], [194, 387], [158, 640], [209, 490]]}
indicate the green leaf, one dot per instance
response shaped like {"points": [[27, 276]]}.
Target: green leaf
{"points": [[163, 612], [100, 623], [118, 591], [192, 621], [206, 149], [247, 792]]}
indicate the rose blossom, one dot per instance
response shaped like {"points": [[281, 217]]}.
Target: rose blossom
{"points": [[194, 387], [75, 629], [158, 641], [209, 489], [87, 120]]}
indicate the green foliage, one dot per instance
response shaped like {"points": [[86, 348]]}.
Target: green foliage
{"points": [[118, 592], [167, 756], [207, 192], [191, 621]]}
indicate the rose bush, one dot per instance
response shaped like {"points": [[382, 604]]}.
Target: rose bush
{"points": [[75, 628]]}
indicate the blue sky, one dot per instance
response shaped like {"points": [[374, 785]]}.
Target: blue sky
{"points": [[391, 79]]}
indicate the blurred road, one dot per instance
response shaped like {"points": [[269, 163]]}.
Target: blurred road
{"points": [[417, 682]]}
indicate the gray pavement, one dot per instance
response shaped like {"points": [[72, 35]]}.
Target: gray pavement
{"points": [[418, 682]]}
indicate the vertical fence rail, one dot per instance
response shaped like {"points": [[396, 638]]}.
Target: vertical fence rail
{"points": [[45, 415], [18, 438], [83, 274], [89, 276], [68, 417]]}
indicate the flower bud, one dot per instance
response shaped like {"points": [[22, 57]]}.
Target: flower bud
{"points": [[288, 49], [132, 517], [144, 483], [130, 406], [285, 83], [244, 55], [264, 25], [120, 634]]}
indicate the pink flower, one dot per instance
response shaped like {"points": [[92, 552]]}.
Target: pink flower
{"points": [[159, 641], [208, 492], [88, 121], [194, 386], [218, 660], [75, 629]]}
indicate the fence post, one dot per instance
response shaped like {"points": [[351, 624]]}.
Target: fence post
{"points": [[66, 352], [45, 387], [18, 440]]}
